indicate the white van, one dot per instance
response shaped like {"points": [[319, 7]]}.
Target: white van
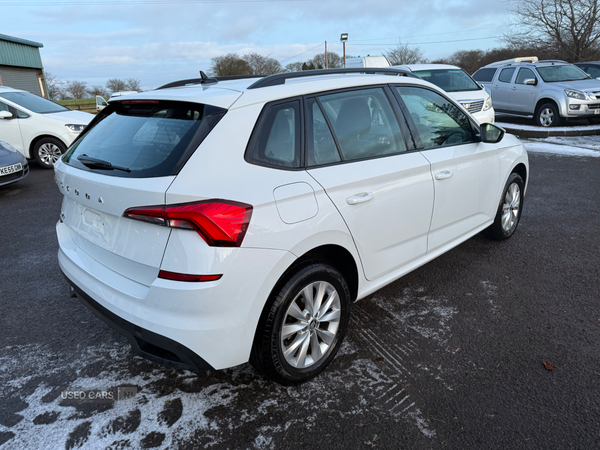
{"points": [[459, 85], [368, 61]]}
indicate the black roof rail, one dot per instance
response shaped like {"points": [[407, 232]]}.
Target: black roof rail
{"points": [[206, 80], [279, 78]]}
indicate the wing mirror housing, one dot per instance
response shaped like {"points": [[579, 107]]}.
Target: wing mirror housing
{"points": [[490, 133], [530, 82], [6, 115]]}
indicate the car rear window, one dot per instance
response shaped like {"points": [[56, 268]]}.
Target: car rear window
{"points": [[143, 138], [450, 80]]}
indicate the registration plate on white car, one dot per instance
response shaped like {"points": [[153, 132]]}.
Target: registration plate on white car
{"points": [[10, 169]]}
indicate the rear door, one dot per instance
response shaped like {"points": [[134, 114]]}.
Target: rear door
{"points": [[465, 171], [382, 188], [502, 88]]}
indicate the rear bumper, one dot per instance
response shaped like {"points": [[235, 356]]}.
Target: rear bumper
{"points": [[144, 342], [204, 325]]}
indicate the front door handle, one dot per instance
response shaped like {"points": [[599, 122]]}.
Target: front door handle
{"points": [[443, 175], [360, 198]]}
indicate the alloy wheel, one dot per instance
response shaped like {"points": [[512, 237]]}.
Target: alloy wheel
{"points": [[49, 153], [510, 207], [311, 324]]}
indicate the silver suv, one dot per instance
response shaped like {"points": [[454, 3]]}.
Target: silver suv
{"points": [[547, 91]]}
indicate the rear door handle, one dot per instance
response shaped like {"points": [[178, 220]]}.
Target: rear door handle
{"points": [[360, 198], [443, 175]]}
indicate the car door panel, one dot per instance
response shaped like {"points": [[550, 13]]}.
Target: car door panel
{"points": [[387, 204], [466, 181]]}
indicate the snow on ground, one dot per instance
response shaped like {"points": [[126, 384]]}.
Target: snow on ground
{"points": [[520, 126], [175, 408], [585, 146]]}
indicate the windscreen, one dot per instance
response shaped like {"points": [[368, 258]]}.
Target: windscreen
{"points": [[143, 138], [33, 102], [450, 80], [553, 74]]}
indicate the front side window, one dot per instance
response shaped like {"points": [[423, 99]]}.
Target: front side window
{"points": [[593, 71], [33, 102], [506, 75], [524, 74], [276, 140], [364, 123], [438, 121]]}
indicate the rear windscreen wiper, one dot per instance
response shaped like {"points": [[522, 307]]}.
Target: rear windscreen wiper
{"points": [[99, 163]]}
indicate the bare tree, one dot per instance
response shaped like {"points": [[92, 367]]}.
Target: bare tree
{"points": [[77, 89], [468, 60], [229, 64], [134, 84], [97, 90], [116, 85], [334, 61], [293, 67], [56, 87], [569, 28], [262, 65], [404, 54]]}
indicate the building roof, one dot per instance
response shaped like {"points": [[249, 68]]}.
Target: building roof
{"points": [[19, 52], [16, 40]]}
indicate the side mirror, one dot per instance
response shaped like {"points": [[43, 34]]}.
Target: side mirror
{"points": [[530, 82], [491, 133], [6, 115]]}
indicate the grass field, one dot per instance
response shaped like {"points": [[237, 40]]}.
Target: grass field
{"points": [[84, 104]]}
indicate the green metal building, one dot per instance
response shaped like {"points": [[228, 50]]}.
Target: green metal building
{"points": [[21, 65]]}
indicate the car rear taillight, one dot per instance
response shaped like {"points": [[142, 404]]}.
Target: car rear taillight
{"points": [[221, 223]]}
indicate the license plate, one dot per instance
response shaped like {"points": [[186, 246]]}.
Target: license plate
{"points": [[10, 169]]}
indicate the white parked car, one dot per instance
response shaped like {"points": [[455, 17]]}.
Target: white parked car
{"points": [[456, 82], [236, 221], [367, 61], [38, 128]]}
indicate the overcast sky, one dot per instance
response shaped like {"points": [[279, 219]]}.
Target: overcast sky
{"points": [[158, 41]]}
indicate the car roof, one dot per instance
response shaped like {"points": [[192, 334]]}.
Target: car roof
{"points": [[9, 89], [237, 93], [415, 67]]}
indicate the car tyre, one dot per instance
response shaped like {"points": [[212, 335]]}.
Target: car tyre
{"points": [[547, 115], [293, 342], [47, 150], [509, 210]]}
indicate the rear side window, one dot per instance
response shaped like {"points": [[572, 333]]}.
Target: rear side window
{"points": [[484, 75], [506, 75], [143, 138], [276, 139], [364, 123]]}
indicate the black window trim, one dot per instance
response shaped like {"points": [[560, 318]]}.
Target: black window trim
{"points": [[413, 127], [259, 122]]}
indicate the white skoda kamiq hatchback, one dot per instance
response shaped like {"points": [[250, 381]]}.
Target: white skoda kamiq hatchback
{"points": [[231, 221]]}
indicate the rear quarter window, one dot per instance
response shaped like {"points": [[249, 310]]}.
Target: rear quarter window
{"points": [[484, 75], [148, 138]]}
